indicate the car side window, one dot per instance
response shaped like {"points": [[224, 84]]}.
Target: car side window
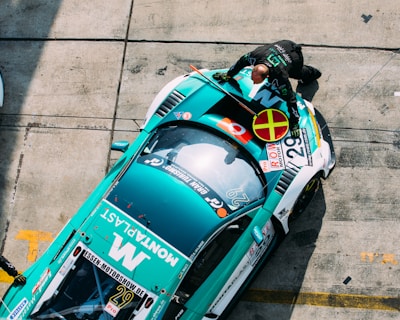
{"points": [[209, 258], [205, 263]]}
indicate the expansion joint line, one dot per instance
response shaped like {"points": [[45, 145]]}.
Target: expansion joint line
{"points": [[126, 41]]}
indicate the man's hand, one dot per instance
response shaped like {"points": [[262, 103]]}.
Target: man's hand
{"points": [[221, 76], [19, 280]]}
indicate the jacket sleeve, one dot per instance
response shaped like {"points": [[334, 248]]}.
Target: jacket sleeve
{"points": [[280, 79], [8, 267], [244, 61]]}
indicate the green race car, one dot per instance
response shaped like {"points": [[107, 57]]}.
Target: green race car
{"points": [[189, 213], [1, 90]]}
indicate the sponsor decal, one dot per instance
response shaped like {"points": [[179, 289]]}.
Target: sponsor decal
{"points": [[178, 115], [240, 271], [264, 165], [186, 116], [111, 309], [183, 115], [154, 248], [113, 273], [266, 96], [294, 150], [158, 310], [43, 278], [276, 60], [15, 313], [270, 125], [180, 313], [211, 197], [276, 160], [134, 248], [236, 130], [126, 253], [218, 206]]}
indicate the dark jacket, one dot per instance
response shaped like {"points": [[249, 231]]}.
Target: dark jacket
{"points": [[8, 267], [284, 60]]}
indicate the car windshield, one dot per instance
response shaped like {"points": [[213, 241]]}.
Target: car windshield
{"points": [[89, 291], [218, 163]]}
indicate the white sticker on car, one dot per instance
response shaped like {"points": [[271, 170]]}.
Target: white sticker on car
{"points": [[289, 149]]}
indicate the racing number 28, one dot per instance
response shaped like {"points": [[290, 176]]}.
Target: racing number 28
{"points": [[295, 148]]}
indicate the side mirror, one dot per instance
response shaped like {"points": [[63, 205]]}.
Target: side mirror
{"points": [[120, 146], [257, 235]]}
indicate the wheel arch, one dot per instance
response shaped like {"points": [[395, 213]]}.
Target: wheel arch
{"points": [[284, 208]]}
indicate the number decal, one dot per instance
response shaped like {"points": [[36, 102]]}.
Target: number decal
{"points": [[237, 196], [289, 150], [296, 148], [122, 297], [300, 152], [290, 142]]}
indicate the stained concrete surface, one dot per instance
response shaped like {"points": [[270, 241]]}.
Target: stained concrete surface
{"points": [[79, 75]]}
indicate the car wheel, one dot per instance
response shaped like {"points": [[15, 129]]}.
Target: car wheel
{"points": [[305, 197]]}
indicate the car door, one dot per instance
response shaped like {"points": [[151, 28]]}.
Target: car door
{"points": [[185, 303]]}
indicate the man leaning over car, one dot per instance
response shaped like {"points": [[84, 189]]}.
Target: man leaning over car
{"points": [[278, 62]]}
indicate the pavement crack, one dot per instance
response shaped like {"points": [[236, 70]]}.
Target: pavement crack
{"points": [[19, 168]]}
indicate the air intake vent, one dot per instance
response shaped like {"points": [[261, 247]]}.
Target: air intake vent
{"points": [[286, 178], [169, 103]]}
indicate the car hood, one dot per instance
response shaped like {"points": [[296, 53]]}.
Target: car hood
{"points": [[161, 199], [151, 223]]}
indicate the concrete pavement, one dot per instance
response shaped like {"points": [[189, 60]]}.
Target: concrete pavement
{"points": [[79, 75]]}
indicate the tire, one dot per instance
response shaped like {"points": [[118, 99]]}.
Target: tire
{"points": [[306, 196]]}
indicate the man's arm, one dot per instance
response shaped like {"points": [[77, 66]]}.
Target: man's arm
{"points": [[280, 79], [244, 61], [8, 267]]}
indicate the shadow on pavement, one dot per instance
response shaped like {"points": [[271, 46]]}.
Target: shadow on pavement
{"points": [[308, 91], [24, 25], [281, 279]]}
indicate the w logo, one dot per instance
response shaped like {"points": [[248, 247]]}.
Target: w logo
{"points": [[127, 253]]}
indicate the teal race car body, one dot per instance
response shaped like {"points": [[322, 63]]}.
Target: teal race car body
{"points": [[189, 212], [1, 90]]}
